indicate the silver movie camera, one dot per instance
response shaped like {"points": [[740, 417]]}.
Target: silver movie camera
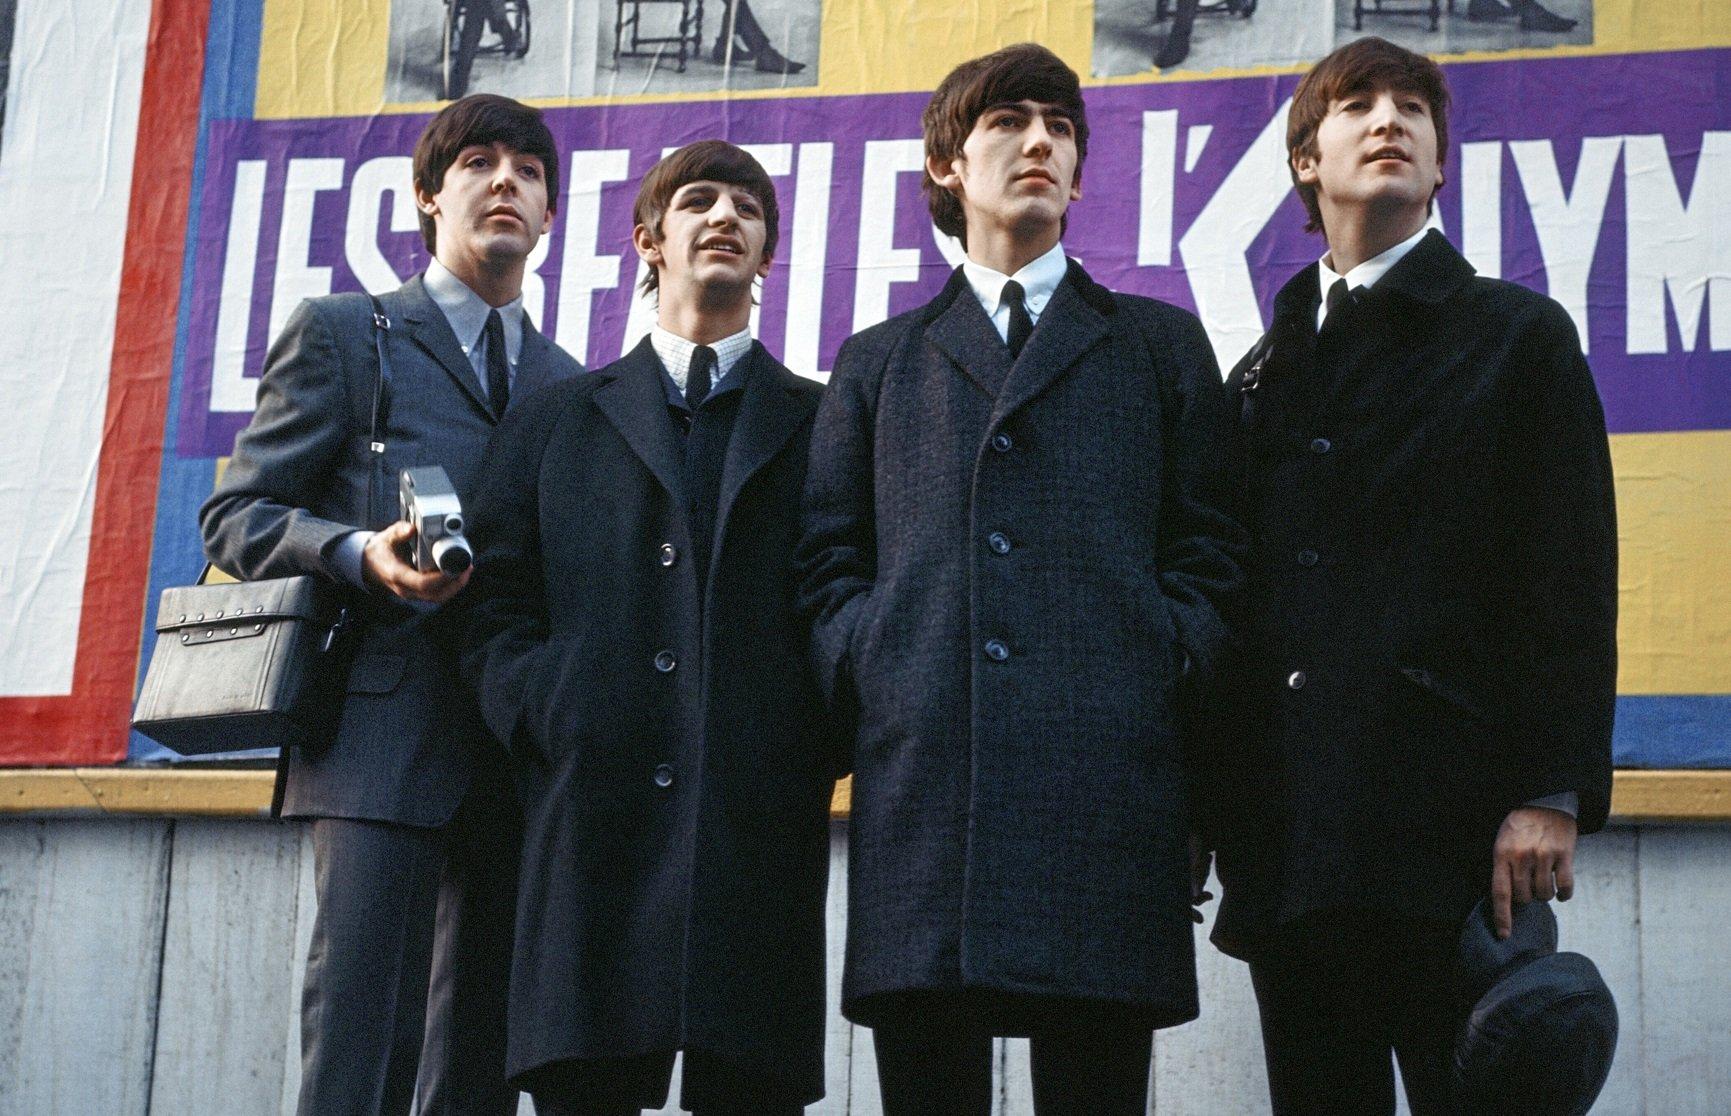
{"points": [[431, 504]]}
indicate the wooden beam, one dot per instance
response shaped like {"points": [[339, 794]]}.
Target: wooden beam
{"points": [[1637, 796]]}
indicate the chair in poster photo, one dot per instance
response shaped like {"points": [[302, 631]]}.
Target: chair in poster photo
{"points": [[737, 23], [1183, 15], [466, 22], [1533, 16]]}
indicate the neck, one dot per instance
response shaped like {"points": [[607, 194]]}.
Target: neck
{"points": [[496, 282], [703, 315], [1008, 251], [1356, 235]]}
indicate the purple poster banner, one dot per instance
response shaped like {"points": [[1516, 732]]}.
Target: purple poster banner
{"points": [[1615, 200]]}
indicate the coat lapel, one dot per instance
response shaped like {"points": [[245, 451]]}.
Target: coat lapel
{"points": [[769, 414], [428, 328], [1073, 322], [635, 401], [964, 333]]}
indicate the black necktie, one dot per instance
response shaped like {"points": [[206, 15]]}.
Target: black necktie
{"points": [[697, 378], [1020, 324], [498, 367], [1338, 295]]}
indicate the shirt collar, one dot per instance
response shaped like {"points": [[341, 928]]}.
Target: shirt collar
{"points": [[675, 354], [1367, 273], [466, 311], [1039, 279]]}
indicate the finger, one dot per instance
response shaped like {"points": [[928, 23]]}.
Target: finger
{"points": [[1521, 881], [1543, 887], [397, 532], [1566, 876], [1500, 891]]}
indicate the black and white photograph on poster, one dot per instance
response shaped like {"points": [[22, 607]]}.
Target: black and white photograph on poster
{"points": [[444, 49], [8, 13], [1141, 36], [700, 46], [1456, 26]]}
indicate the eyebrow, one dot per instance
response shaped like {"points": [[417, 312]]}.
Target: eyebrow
{"points": [[1020, 106]]}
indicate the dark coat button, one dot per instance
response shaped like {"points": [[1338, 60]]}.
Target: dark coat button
{"points": [[1307, 558], [1320, 445], [1296, 680], [664, 776], [669, 554], [996, 651], [999, 542], [1002, 442], [665, 661]]}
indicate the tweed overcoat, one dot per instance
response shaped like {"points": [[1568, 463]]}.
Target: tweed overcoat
{"points": [[1432, 596], [1008, 565], [408, 740], [664, 728]]}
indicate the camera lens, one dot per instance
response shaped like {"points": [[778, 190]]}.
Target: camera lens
{"points": [[453, 525]]}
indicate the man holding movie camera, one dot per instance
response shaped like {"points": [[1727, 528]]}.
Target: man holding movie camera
{"points": [[415, 829]]}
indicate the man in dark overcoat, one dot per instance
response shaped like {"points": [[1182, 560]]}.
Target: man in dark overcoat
{"points": [[1426, 698], [409, 814], [634, 639], [1017, 544]]}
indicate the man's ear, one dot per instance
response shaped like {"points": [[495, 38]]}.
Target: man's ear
{"points": [[1076, 185], [425, 202], [1305, 167], [944, 172], [547, 217], [648, 248], [763, 268]]}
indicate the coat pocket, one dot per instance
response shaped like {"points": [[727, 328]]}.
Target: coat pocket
{"points": [[1448, 691]]}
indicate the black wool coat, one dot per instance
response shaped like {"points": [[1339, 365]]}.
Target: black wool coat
{"points": [[665, 731], [1432, 603], [1008, 565]]}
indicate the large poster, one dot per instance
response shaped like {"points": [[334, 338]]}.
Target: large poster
{"points": [[1590, 158]]}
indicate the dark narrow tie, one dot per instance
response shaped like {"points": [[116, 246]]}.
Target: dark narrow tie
{"points": [[697, 378], [1338, 296], [1020, 324], [498, 365]]}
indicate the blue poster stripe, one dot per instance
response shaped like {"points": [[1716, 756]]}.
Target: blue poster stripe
{"points": [[231, 59], [1692, 730]]}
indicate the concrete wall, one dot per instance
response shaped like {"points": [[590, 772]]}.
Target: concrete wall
{"points": [[153, 966]]}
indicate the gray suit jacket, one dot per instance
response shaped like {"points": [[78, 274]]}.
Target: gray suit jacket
{"points": [[407, 740]]}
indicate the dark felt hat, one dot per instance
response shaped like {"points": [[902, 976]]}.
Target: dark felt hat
{"points": [[1542, 1028]]}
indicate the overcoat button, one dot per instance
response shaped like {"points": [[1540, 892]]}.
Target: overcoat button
{"points": [[1320, 445], [1002, 442], [1307, 558], [664, 776], [665, 662], [999, 542], [996, 651], [1296, 680], [669, 555]]}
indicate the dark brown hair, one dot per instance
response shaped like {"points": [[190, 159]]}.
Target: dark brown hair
{"points": [[1362, 66], [1024, 72], [704, 161], [484, 118]]}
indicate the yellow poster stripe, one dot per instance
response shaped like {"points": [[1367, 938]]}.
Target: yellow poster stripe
{"points": [[322, 58], [1674, 595]]}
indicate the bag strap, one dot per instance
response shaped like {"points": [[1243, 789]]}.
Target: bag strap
{"points": [[381, 406]]}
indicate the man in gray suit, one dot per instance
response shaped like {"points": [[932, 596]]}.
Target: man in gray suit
{"points": [[414, 828]]}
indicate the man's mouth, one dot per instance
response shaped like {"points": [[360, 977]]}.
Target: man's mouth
{"points": [[1382, 153], [729, 246], [1040, 173], [505, 211]]}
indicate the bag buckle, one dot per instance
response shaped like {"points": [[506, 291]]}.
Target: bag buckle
{"points": [[338, 630]]}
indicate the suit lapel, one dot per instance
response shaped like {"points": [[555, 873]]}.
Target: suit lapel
{"points": [[533, 362], [769, 414], [1070, 325], [967, 336], [635, 401], [428, 328]]}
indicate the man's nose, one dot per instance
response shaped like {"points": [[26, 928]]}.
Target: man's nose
{"points": [[1037, 139], [723, 212], [1385, 116]]}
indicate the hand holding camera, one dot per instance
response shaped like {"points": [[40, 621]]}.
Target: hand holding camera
{"points": [[424, 556]]}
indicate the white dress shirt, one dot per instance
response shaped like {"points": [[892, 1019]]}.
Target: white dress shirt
{"points": [[1039, 279], [675, 353], [1365, 274]]}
